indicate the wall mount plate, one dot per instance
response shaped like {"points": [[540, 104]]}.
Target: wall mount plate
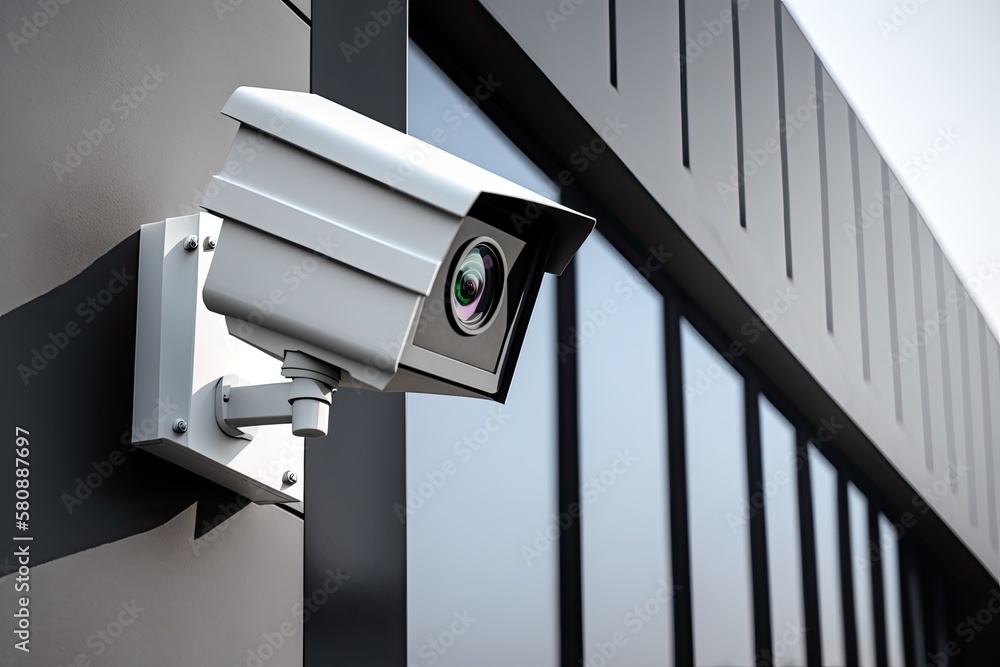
{"points": [[182, 351]]}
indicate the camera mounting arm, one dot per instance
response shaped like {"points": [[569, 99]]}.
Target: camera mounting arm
{"points": [[304, 402]]}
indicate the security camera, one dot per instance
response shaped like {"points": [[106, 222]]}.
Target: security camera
{"points": [[401, 265], [336, 252]]}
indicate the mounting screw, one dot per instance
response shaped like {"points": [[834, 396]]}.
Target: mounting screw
{"points": [[190, 242], [180, 425], [210, 242], [289, 477]]}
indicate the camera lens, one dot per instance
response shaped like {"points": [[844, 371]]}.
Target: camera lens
{"points": [[476, 286]]}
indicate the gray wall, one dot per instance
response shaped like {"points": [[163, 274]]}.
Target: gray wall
{"points": [[164, 598], [165, 138], [209, 595]]}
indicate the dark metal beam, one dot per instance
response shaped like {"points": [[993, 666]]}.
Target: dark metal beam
{"points": [[807, 537], [846, 571], [354, 539], [570, 556], [680, 554], [758, 527]]}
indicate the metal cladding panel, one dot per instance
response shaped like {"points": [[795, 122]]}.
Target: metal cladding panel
{"points": [[993, 395], [870, 313], [950, 339], [809, 238], [869, 238], [980, 512], [404, 163], [929, 327], [909, 360], [762, 136], [653, 36], [844, 288], [712, 118], [112, 120]]}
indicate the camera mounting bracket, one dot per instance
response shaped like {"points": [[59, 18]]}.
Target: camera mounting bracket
{"points": [[185, 360], [304, 402]]}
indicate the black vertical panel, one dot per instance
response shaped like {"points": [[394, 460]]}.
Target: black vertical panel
{"points": [[680, 550], [682, 64], [758, 528], [807, 535], [357, 474], [738, 79], [846, 572], [570, 559], [874, 554], [613, 43], [937, 610], [909, 597], [359, 56]]}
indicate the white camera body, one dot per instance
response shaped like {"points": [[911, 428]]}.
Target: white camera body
{"points": [[354, 254], [339, 240]]}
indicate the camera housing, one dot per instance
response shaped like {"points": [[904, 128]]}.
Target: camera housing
{"points": [[342, 238], [340, 253]]}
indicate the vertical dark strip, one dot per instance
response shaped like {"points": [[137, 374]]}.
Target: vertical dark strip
{"points": [[846, 572], [373, 82], [991, 492], [570, 557], [824, 194], [878, 588], [680, 554], [918, 291], [682, 63], [350, 526], [909, 596], [965, 302], [859, 243], [949, 417], [783, 137], [738, 82], [940, 609], [758, 527], [890, 263], [613, 42], [807, 538]]}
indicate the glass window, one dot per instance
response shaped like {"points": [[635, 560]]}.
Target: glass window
{"points": [[784, 549], [619, 339], [482, 561], [889, 552], [717, 502], [861, 559], [824, 488]]}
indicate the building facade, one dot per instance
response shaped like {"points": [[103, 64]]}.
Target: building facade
{"points": [[753, 423]]}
